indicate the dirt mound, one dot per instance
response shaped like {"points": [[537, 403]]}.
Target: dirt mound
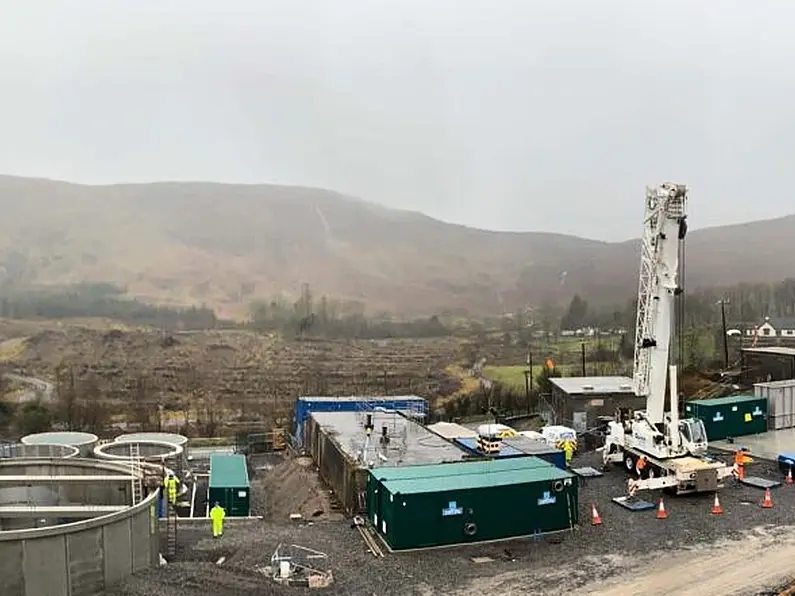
{"points": [[293, 486]]}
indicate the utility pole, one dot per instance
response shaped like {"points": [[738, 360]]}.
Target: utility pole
{"points": [[725, 336], [583, 359], [528, 379]]}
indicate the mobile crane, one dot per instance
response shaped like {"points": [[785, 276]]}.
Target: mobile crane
{"points": [[674, 451]]}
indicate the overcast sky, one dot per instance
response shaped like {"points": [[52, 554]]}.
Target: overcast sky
{"points": [[504, 114]]}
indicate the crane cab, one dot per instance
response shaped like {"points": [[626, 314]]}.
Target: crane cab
{"points": [[694, 436]]}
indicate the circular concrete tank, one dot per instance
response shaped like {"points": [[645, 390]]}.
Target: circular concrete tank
{"points": [[151, 451], [109, 541], [31, 451], [83, 441], [173, 438]]}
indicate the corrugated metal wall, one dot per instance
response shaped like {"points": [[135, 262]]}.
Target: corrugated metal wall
{"points": [[780, 396]]}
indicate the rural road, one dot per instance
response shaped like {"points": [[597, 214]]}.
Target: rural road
{"points": [[34, 388]]}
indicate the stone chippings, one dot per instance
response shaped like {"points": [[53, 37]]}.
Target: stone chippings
{"points": [[548, 566]]}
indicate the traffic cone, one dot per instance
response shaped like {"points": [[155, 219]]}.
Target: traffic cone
{"points": [[595, 519], [661, 514], [716, 508], [768, 502], [789, 476], [741, 472]]}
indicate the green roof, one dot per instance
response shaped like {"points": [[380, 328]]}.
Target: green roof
{"points": [[476, 479], [228, 470], [389, 473], [725, 401]]}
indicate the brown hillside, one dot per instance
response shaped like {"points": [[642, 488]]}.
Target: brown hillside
{"points": [[223, 245]]}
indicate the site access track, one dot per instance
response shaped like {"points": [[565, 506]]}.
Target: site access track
{"points": [[763, 561]]}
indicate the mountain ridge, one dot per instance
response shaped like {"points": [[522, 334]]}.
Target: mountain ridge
{"points": [[225, 245]]}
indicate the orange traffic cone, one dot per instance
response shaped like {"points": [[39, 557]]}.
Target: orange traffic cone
{"points": [[789, 476], [595, 519], [768, 502], [741, 472], [716, 508], [661, 514]]}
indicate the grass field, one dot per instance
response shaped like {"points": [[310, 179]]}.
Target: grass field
{"points": [[513, 375]]}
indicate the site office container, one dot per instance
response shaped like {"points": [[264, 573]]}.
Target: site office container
{"points": [[733, 416], [780, 396], [229, 485], [507, 498]]}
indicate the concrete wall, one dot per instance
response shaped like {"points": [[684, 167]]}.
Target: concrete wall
{"points": [[79, 559], [343, 476], [89, 493], [27, 451], [152, 451], [593, 405]]}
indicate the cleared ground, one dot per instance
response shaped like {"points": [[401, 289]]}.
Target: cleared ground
{"points": [[746, 550]]}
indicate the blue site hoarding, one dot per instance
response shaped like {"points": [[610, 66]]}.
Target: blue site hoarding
{"points": [[304, 406]]}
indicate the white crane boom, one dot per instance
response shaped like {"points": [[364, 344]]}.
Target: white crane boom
{"points": [[664, 228], [673, 451]]}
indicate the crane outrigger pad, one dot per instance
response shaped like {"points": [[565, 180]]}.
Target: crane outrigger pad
{"points": [[758, 482], [587, 472], [633, 503]]}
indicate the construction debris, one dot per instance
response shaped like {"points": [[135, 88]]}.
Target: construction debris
{"points": [[369, 537], [295, 565]]}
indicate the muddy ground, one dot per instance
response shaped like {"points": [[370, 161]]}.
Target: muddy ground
{"points": [[746, 551]]}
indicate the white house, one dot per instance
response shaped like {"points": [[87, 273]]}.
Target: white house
{"points": [[774, 327]]}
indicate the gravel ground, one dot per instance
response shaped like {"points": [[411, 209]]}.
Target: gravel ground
{"points": [[539, 566]]}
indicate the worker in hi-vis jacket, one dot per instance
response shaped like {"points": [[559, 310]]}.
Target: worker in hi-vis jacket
{"points": [[170, 484], [217, 515], [568, 450]]}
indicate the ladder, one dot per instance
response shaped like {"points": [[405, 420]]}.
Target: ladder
{"points": [[136, 471], [171, 529]]}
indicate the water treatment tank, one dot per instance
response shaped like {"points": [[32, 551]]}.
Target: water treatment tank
{"points": [[150, 451], [17, 450], [173, 438], [85, 442]]}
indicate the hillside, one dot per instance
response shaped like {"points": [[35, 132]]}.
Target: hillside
{"points": [[224, 245]]}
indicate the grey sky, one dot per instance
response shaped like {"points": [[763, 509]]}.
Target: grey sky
{"points": [[505, 114]]}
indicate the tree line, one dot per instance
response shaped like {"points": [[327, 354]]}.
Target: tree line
{"points": [[327, 317], [745, 304], [100, 300]]}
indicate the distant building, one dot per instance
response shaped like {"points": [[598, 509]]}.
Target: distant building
{"points": [[580, 401], [783, 327], [591, 332]]}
